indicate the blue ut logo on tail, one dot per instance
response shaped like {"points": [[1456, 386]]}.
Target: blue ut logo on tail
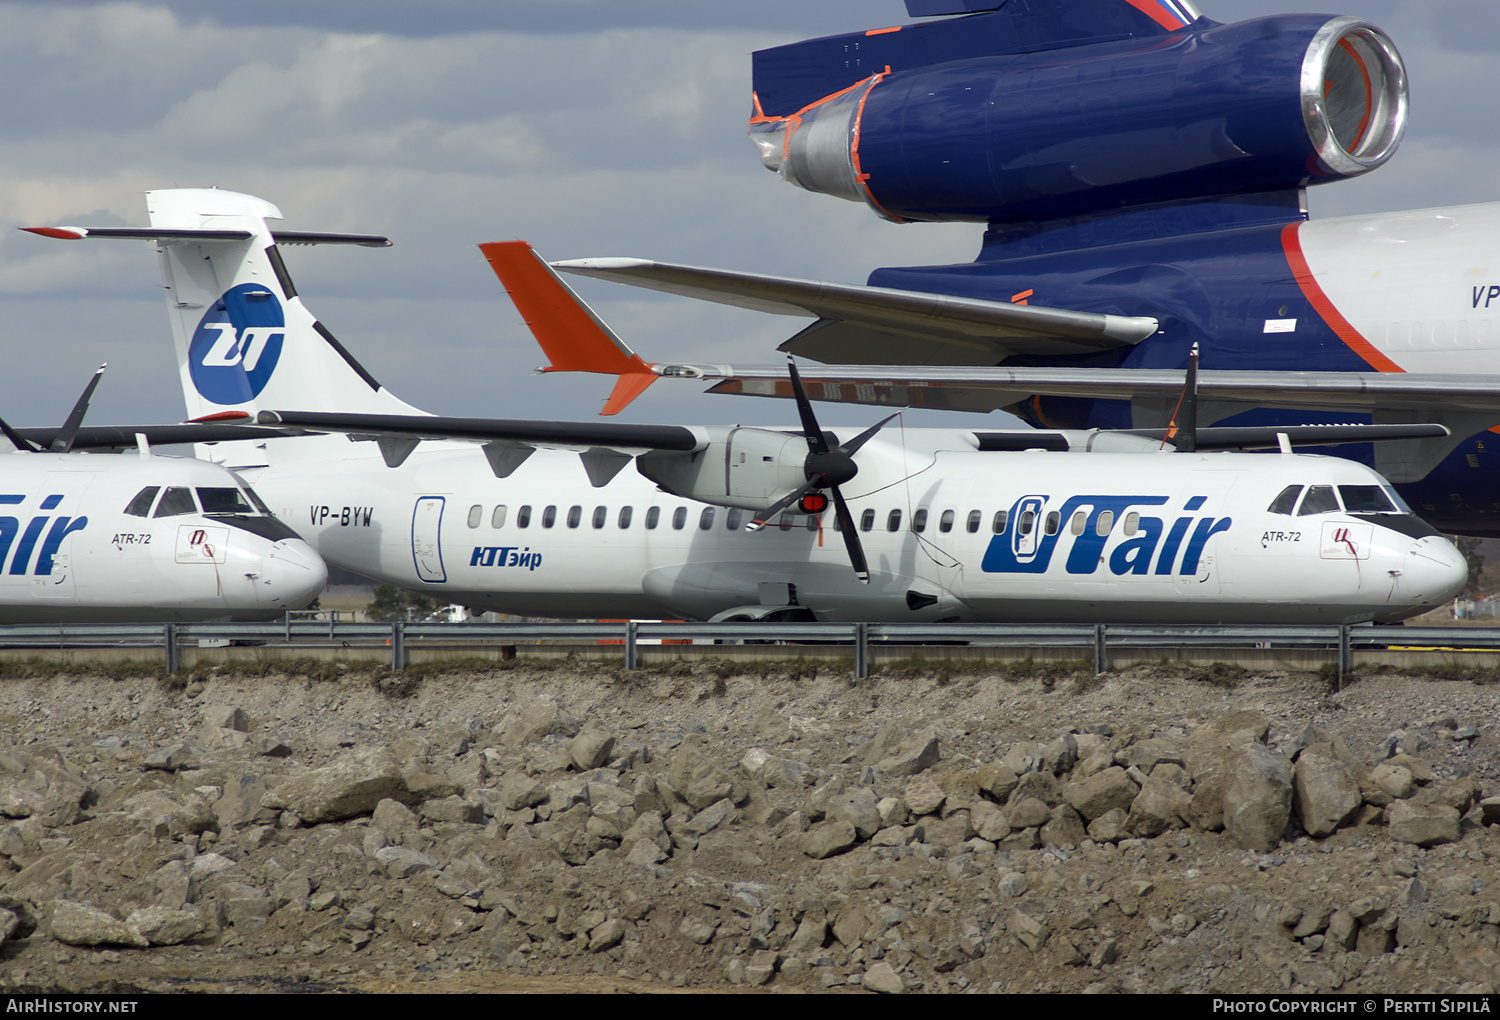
{"points": [[1148, 544], [237, 344]]}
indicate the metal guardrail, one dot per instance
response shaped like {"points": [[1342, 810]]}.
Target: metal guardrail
{"points": [[1099, 638]]}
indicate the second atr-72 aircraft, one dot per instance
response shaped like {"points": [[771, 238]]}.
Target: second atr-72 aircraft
{"points": [[1141, 174], [92, 538], [591, 519]]}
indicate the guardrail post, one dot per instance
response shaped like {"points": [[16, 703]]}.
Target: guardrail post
{"points": [[398, 646], [333, 616], [861, 651], [1346, 656], [287, 619], [173, 659], [630, 644], [1101, 657]]}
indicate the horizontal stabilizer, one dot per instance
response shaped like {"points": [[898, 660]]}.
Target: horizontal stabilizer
{"points": [[166, 234]]}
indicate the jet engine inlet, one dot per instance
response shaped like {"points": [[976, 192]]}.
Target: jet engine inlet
{"points": [[1354, 99]]}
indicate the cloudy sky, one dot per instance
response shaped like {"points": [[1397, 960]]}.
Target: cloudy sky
{"points": [[588, 127]]}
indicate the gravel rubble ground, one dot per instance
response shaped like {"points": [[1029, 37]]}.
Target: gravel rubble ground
{"points": [[780, 827]]}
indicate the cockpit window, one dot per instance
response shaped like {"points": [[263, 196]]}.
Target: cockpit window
{"points": [[177, 500], [1396, 498], [222, 501], [1319, 500], [140, 506], [1366, 499], [260, 504], [1283, 503]]}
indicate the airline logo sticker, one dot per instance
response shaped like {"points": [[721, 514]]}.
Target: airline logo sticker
{"points": [[505, 556], [236, 346], [1024, 547], [18, 541]]}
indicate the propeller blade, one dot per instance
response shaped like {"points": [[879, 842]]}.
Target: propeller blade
{"points": [[815, 441], [851, 538], [852, 446], [63, 441], [764, 518]]}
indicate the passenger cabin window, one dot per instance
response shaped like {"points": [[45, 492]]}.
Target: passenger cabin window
{"points": [[1284, 503], [176, 500], [1319, 500], [1024, 525], [549, 516], [679, 518], [140, 506], [1001, 517], [706, 519], [919, 520], [973, 523], [945, 522], [476, 514], [497, 519], [653, 516], [1054, 521], [523, 517], [1105, 522], [1366, 499], [867, 520], [893, 522], [625, 514], [1132, 523], [1076, 524], [733, 519], [601, 516], [575, 516]]}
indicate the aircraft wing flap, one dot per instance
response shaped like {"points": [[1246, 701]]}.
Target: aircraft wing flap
{"points": [[913, 313], [987, 389]]}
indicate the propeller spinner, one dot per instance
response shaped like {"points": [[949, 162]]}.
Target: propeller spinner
{"points": [[826, 467]]}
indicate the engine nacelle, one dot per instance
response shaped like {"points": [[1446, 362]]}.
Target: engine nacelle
{"points": [[1203, 111], [740, 467]]}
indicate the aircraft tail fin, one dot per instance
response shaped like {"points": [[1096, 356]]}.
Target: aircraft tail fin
{"points": [[572, 336], [244, 340]]}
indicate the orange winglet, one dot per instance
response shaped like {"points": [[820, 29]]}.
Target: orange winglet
{"points": [[570, 334]]}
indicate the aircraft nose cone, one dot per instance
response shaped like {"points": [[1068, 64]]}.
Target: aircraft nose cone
{"points": [[1433, 571], [292, 575]]}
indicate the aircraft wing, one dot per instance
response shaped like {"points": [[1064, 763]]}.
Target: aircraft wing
{"points": [[603, 447], [897, 326], [100, 438], [995, 387]]}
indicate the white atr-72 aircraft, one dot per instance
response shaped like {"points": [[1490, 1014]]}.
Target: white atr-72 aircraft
{"points": [[542, 518], [132, 539]]}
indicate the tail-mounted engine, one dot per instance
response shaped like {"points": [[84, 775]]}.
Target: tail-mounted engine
{"points": [[1002, 116]]}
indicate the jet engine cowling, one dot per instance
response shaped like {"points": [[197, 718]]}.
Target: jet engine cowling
{"points": [[1209, 110]]}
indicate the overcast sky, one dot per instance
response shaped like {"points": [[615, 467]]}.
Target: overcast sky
{"points": [[588, 127]]}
